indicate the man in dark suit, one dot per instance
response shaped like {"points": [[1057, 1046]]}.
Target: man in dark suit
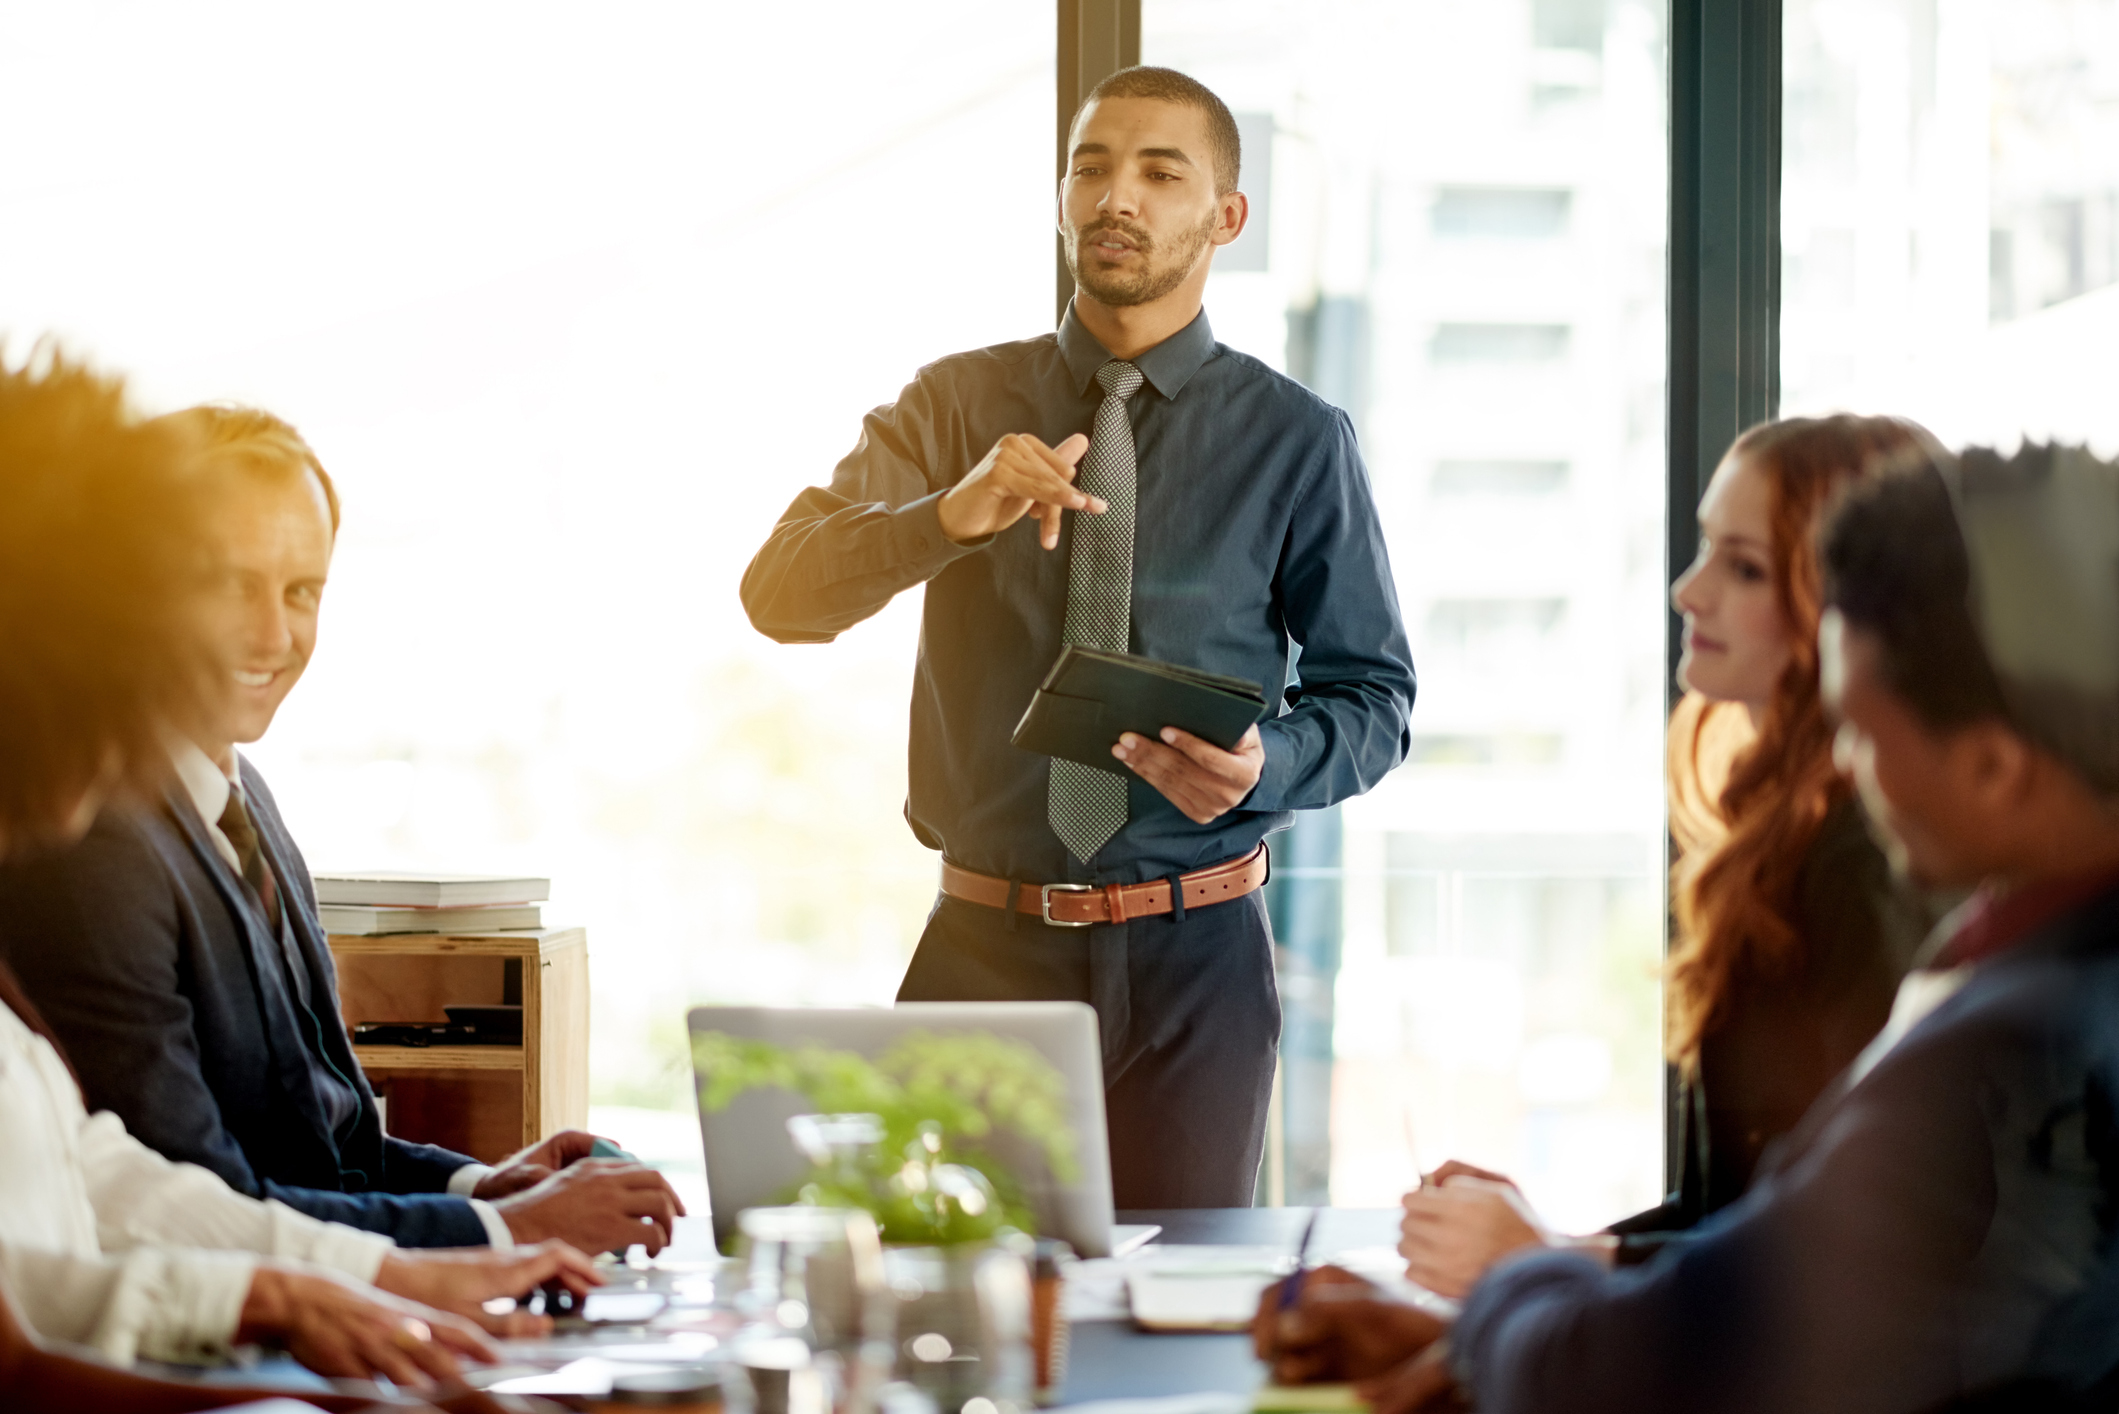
{"points": [[178, 954], [1942, 1228]]}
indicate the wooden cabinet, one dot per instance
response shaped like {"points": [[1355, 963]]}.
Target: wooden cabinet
{"points": [[485, 1101]]}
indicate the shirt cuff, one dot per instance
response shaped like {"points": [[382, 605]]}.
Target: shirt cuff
{"points": [[180, 1307], [917, 536], [465, 1180], [497, 1234], [1276, 770]]}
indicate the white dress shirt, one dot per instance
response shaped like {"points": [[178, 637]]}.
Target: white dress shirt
{"points": [[209, 788], [105, 1243]]}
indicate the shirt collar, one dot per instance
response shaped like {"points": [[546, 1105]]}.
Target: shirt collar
{"points": [[1168, 366], [1992, 922], [207, 785]]}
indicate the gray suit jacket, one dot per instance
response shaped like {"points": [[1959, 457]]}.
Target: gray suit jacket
{"points": [[1945, 1230]]}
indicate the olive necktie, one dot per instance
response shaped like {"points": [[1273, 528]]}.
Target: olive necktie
{"points": [[1086, 804], [250, 858]]}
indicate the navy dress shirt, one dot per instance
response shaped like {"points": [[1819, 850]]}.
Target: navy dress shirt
{"points": [[1256, 541]]}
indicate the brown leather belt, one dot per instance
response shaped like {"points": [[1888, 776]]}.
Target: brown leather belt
{"points": [[1086, 905]]}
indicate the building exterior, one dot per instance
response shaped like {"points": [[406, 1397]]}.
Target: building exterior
{"points": [[1464, 219]]}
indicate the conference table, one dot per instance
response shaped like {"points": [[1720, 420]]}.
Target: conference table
{"points": [[1112, 1359]]}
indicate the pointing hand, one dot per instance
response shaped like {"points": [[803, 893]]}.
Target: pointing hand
{"points": [[1020, 476]]}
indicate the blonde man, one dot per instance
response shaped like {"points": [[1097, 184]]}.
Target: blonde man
{"points": [[103, 1242], [178, 955]]}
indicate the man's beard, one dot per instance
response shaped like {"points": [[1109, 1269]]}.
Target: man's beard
{"points": [[1154, 279]]}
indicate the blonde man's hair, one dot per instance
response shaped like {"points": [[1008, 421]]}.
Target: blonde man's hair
{"points": [[254, 441]]}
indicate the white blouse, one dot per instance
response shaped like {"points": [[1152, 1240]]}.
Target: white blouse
{"points": [[103, 1242]]}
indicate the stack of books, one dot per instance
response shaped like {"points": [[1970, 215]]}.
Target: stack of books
{"points": [[380, 901]]}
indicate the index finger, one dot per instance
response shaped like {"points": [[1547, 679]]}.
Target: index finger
{"points": [[675, 1201], [1200, 750], [1223, 766], [427, 1356], [1262, 1324], [570, 1145], [549, 1260], [452, 1333], [1027, 474], [1062, 457]]}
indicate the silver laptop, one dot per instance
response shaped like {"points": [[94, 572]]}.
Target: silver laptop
{"points": [[750, 1160]]}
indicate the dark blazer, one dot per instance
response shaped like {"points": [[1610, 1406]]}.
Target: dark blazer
{"points": [[154, 964], [1784, 1037], [1944, 1229]]}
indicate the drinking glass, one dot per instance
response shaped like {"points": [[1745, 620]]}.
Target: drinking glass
{"points": [[815, 1277], [964, 1324]]}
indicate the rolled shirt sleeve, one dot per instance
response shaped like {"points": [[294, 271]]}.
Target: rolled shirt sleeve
{"points": [[151, 1303], [142, 1199]]}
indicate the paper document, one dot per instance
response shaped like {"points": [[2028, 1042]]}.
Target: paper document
{"points": [[1196, 1301], [1307, 1399]]}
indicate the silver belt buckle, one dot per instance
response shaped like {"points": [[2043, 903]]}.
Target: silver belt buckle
{"points": [[1044, 903]]}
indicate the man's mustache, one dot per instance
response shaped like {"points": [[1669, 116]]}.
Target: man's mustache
{"points": [[1142, 241]]}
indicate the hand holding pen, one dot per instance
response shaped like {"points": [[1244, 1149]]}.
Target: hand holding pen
{"points": [[1325, 1323], [1291, 1286]]}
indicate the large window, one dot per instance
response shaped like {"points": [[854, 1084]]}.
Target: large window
{"points": [[1950, 215], [1459, 216], [572, 300]]}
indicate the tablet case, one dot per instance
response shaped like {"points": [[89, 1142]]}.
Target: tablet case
{"points": [[1091, 696]]}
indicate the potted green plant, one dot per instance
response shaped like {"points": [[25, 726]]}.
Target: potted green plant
{"points": [[925, 1168], [909, 1137]]}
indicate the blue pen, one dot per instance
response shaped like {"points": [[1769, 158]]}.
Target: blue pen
{"points": [[1291, 1289]]}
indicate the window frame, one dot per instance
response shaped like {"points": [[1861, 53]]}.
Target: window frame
{"points": [[1722, 374]]}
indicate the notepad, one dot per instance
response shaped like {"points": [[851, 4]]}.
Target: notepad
{"points": [[1091, 697], [1307, 1399], [1195, 1301]]}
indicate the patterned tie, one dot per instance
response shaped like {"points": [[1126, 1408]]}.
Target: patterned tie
{"points": [[1086, 804], [235, 824]]}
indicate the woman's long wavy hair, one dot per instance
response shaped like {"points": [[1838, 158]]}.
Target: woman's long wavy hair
{"points": [[99, 552], [1746, 804]]}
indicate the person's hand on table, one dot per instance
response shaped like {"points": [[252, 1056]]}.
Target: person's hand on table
{"points": [[1457, 1168], [535, 1164], [1020, 476], [340, 1328], [463, 1400], [1340, 1328], [1196, 776], [1454, 1230], [1463, 1219], [461, 1280], [1424, 1384], [597, 1205]]}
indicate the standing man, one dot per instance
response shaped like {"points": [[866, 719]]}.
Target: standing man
{"points": [[1126, 483]]}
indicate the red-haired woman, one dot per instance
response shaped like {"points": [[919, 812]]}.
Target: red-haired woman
{"points": [[1792, 932]]}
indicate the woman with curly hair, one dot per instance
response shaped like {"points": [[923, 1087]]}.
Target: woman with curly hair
{"points": [[1791, 933]]}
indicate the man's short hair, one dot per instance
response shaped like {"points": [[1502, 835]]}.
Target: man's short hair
{"points": [[1225, 144], [1896, 567], [236, 438], [99, 547]]}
